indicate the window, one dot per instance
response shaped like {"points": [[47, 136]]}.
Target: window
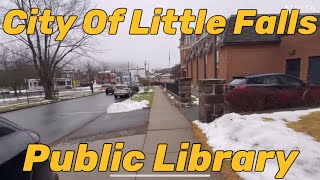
{"points": [[287, 80], [238, 81], [270, 80], [217, 64], [293, 67], [5, 130], [255, 80], [60, 83]]}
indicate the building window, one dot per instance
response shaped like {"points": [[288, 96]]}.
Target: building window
{"points": [[314, 73], [293, 67], [205, 65], [217, 64]]}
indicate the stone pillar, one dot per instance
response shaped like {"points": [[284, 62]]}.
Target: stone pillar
{"points": [[185, 90], [211, 100]]}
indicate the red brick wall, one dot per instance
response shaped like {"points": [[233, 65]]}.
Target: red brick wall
{"points": [[189, 69], [201, 66], [305, 46], [194, 71], [211, 64], [256, 58], [244, 59]]}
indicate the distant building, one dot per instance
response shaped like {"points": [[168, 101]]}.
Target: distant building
{"points": [[137, 73], [107, 77], [125, 78], [75, 76], [59, 84]]}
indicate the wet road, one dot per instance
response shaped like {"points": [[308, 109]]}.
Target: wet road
{"points": [[77, 118]]}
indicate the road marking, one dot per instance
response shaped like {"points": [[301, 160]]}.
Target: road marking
{"points": [[83, 112], [161, 175]]}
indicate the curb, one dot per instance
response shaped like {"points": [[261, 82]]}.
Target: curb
{"points": [[46, 103], [226, 170]]}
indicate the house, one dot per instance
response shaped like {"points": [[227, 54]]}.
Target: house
{"points": [[134, 75], [59, 84], [159, 77], [75, 76], [106, 77], [225, 56]]}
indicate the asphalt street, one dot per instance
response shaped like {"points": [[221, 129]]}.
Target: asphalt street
{"points": [[76, 118]]}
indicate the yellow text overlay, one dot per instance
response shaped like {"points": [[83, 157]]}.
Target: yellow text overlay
{"points": [[96, 21], [113, 157]]}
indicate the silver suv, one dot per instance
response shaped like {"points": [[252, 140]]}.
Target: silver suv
{"points": [[122, 91]]}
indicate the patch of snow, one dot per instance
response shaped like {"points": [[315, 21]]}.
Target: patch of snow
{"points": [[252, 132], [195, 102], [127, 106], [19, 99], [170, 96], [150, 91]]}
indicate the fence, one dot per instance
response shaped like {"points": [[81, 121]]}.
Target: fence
{"points": [[172, 87], [38, 95]]}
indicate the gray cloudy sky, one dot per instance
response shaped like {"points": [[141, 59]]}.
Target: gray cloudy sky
{"points": [[155, 49]]}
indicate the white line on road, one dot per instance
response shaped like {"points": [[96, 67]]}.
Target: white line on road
{"points": [[160, 175], [83, 112]]}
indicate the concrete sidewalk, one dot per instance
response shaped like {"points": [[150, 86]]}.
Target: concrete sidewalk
{"points": [[166, 126]]}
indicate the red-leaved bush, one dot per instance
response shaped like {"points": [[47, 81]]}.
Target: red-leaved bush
{"points": [[260, 98]]}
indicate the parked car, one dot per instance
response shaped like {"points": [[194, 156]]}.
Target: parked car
{"points": [[4, 91], [13, 142], [109, 90], [85, 84], [274, 80], [135, 88], [122, 91]]}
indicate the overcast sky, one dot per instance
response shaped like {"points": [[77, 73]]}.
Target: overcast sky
{"points": [[155, 49]]}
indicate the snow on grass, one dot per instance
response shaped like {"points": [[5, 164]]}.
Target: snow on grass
{"points": [[127, 106], [195, 100], [170, 96], [266, 132], [150, 91], [19, 99]]}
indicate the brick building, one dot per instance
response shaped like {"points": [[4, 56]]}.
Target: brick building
{"points": [[106, 77], [227, 55]]}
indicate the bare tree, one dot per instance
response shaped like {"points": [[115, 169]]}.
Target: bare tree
{"points": [[91, 71], [176, 72], [14, 70], [47, 54]]}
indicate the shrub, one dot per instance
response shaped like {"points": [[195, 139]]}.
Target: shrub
{"points": [[257, 98], [144, 82], [68, 87], [250, 99], [312, 97]]}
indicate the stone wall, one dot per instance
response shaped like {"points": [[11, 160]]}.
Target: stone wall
{"points": [[185, 90], [211, 100]]}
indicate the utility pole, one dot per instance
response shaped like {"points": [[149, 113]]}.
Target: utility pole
{"points": [[169, 60], [129, 78], [145, 69], [170, 65], [129, 73]]}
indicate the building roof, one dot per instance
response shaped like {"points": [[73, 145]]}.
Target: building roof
{"points": [[248, 34]]}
